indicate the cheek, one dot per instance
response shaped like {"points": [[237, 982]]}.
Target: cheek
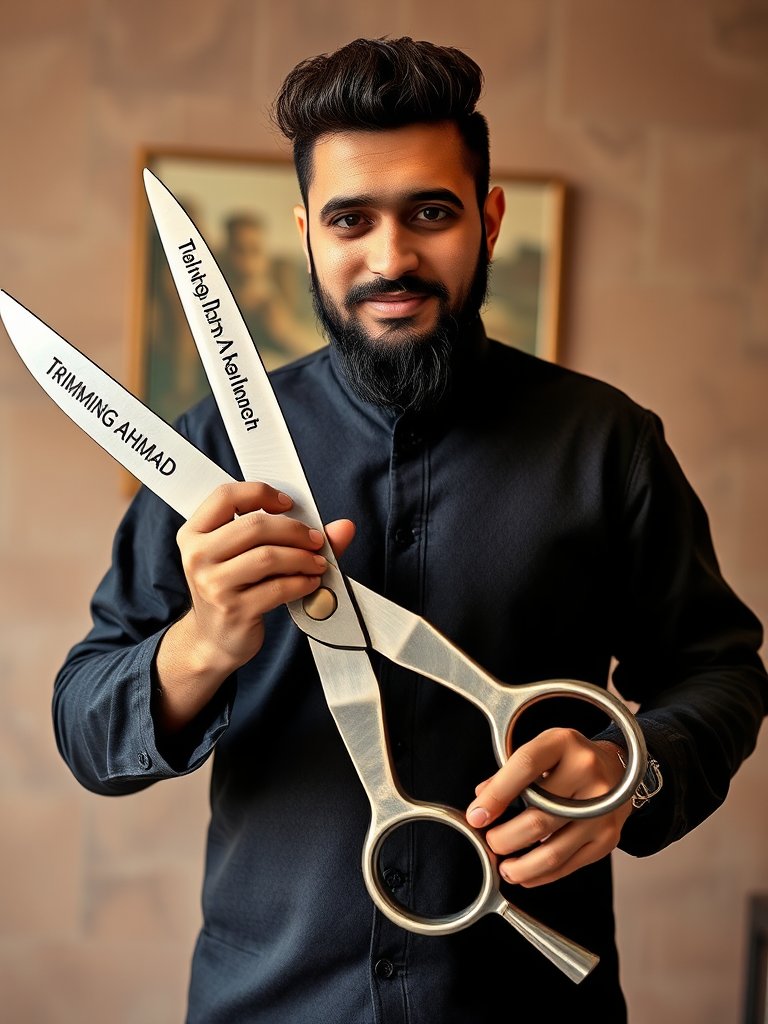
{"points": [[337, 268], [457, 262]]}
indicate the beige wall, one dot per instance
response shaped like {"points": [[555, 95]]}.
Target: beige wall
{"points": [[656, 113]]}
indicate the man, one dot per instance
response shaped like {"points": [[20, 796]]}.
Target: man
{"points": [[535, 516]]}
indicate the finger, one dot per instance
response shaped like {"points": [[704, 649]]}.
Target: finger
{"points": [[567, 850], [530, 826], [236, 498], [252, 531], [481, 786], [279, 590], [526, 765], [340, 534], [268, 561]]}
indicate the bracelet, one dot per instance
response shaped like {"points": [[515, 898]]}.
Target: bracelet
{"points": [[650, 784]]}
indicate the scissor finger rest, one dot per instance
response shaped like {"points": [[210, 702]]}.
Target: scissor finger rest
{"points": [[396, 810], [535, 794], [412, 642], [352, 692]]}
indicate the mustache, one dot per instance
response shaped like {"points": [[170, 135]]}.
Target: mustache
{"points": [[381, 286]]}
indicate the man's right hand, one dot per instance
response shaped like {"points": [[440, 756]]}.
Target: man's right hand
{"points": [[237, 569]]}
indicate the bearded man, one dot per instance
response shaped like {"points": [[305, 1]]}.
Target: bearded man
{"points": [[535, 516]]}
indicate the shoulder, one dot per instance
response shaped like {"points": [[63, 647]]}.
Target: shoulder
{"points": [[544, 379], [565, 396]]}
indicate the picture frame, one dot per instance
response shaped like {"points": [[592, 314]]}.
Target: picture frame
{"points": [[242, 203], [756, 982]]}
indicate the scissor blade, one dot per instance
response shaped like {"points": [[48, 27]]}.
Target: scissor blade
{"points": [[410, 641], [145, 444], [248, 405]]}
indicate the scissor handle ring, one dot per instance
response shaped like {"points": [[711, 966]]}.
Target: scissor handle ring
{"points": [[488, 900], [622, 716]]}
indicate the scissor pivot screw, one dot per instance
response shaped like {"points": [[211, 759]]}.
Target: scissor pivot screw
{"points": [[321, 605]]}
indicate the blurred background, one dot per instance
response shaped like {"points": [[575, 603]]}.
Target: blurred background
{"points": [[655, 113]]}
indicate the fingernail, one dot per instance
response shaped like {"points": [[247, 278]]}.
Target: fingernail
{"points": [[478, 817], [506, 875], [320, 562], [284, 499], [316, 537]]}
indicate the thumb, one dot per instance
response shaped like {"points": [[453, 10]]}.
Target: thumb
{"points": [[340, 533]]}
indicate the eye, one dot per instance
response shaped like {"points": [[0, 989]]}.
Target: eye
{"points": [[432, 214], [348, 220]]}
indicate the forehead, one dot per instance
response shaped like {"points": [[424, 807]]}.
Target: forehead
{"points": [[399, 160]]}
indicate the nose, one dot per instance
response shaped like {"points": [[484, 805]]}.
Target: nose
{"points": [[391, 251]]}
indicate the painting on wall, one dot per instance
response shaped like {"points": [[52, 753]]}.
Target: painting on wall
{"points": [[756, 992], [243, 206]]}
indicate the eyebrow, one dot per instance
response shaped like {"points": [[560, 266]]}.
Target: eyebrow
{"points": [[444, 195]]}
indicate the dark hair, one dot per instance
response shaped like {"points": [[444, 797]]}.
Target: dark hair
{"points": [[379, 84]]}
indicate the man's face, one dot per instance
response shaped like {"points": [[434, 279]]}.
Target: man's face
{"points": [[396, 244]]}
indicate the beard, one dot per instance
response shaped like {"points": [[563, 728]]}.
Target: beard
{"points": [[401, 368]]}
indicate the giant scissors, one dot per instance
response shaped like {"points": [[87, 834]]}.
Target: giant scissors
{"points": [[342, 619]]}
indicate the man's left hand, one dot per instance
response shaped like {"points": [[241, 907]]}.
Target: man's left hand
{"points": [[567, 764]]}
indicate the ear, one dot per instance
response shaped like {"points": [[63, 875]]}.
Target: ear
{"points": [[302, 223], [493, 214]]}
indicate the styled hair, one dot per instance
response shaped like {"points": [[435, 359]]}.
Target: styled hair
{"points": [[380, 84]]}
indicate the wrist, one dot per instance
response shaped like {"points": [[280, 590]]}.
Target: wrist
{"points": [[200, 658], [188, 671]]}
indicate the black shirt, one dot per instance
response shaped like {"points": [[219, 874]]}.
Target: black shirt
{"points": [[539, 520]]}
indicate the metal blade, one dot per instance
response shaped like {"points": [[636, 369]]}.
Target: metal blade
{"points": [[145, 444], [248, 405], [255, 425]]}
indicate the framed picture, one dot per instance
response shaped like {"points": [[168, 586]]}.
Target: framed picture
{"points": [[243, 206], [756, 988]]}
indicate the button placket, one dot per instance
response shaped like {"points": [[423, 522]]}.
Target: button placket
{"points": [[403, 583]]}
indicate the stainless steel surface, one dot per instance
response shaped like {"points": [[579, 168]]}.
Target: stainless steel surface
{"points": [[410, 641], [352, 693], [154, 452], [251, 413]]}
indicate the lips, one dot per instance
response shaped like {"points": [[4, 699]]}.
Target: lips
{"points": [[394, 304]]}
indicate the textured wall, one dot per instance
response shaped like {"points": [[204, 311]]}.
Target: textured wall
{"points": [[656, 112]]}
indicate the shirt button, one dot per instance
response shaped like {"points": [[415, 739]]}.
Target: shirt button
{"points": [[404, 537], [143, 759], [409, 442], [394, 878], [384, 969]]}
